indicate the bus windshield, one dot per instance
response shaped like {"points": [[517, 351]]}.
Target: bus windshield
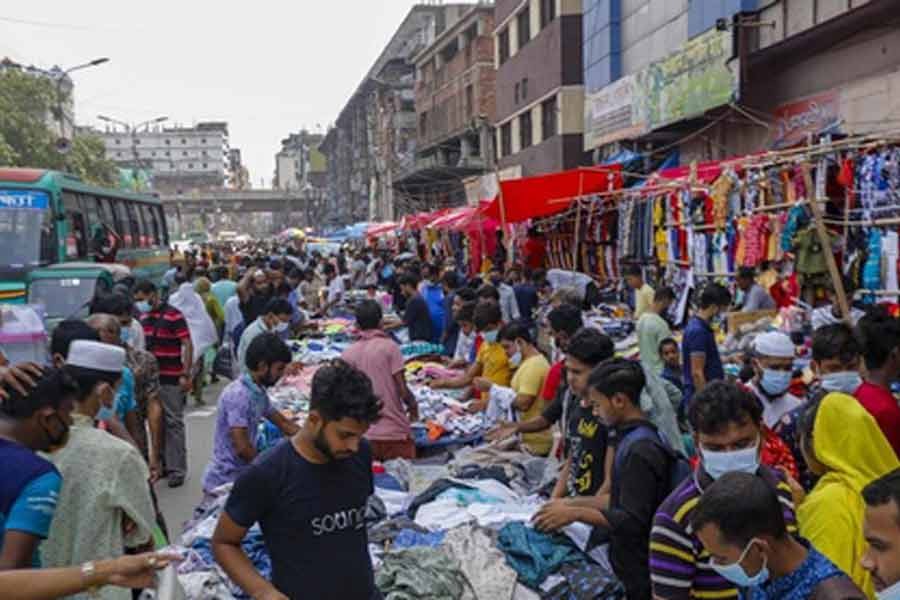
{"points": [[25, 225]]}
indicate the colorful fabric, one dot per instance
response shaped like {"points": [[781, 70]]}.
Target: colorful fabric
{"points": [[535, 555]]}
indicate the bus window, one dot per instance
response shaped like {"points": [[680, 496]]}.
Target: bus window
{"points": [[150, 222], [144, 240], [161, 220], [90, 210], [106, 214], [123, 225], [134, 224], [76, 236]]}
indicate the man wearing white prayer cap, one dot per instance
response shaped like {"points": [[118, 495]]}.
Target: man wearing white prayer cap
{"points": [[104, 505], [773, 364]]}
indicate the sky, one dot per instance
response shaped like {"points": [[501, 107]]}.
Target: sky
{"points": [[268, 67]]}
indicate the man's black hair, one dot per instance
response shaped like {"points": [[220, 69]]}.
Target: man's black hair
{"points": [[111, 304], [664, 294], [340, 391], [328, 269], [278, 306], [88, 378], [489, 292], [743, 506], [267, 348], [566, 318], [67, 332], [714, 294], [466, 313], [619, 376], [721, 403], [487, 314], [590, 346], [634, 271], [746, 273], [450, 279], [838, 341], [515, 331], [408, 279], [295, 273], [368, 315], [275, 265], [145, 286], [880, 335], [667, 342], [467, 294], [883, 490], [50, 389]]}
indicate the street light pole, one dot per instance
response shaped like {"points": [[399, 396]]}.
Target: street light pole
{"points": [[59, 100], [132, 130]]}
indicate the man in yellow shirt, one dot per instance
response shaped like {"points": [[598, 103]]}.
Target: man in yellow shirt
{"points": [[643, 293], [531, 371], [491, 362]]}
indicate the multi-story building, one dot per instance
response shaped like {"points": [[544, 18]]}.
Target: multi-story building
{"points": [[299, 163], [373, 137], [455, 103], [711, 80], [540, 92], [180, 159], [238, 175]]}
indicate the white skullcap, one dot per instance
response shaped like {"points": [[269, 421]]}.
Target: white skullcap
{"points": [[774, 344], [98, 356]]}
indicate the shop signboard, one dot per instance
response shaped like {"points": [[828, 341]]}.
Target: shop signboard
{"points": [[700, 76], [608, 114], [813, 115]]}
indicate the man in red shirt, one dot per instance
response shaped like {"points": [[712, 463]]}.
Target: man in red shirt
{"points": [[880, 337], [535, 249]]}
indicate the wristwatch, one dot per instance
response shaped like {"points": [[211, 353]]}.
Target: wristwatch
{"points": [[89, 572]]}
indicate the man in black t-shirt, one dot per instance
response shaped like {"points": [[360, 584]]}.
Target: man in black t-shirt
{"points": [[308, 495], [416, 316]]}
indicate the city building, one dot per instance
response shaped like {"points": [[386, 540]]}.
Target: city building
{"points": [[374, 136], [238, 175], [540, 92], [300, 164], [179, 159], [455, 106], [699, 81]]}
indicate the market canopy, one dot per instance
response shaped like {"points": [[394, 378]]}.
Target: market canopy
{"points": [[380, 229], [545, 195]]}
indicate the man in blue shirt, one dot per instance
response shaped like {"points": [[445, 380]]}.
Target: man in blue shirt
{"points": [[526, 295], [29, 484], [740, 522], [700, 353]]}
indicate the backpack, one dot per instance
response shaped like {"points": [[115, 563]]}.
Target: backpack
{"points": [[679, 467]]}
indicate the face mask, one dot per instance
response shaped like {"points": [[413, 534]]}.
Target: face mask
{"points": [[281, 327], [844, 381], [105, 413], [125, 335], [775, 383], [719, 463], [516, 359], [490, 336], [736, 574], [58, 441], [889, 593], [143, 306]]}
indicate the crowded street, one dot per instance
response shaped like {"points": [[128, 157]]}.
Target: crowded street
{"points": [[562, 300]]}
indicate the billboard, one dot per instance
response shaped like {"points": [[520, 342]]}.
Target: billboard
{"points": [[608, 114], [811, 115]]}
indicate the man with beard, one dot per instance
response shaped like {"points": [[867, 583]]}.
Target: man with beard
{"points": [[242, 406], [254, 291], [309, 495]]}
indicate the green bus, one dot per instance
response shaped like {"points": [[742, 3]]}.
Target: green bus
{"points": [[53, 227]]}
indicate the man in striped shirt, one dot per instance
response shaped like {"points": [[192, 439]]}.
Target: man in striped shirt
{"points": [[169, 340], [726, 420]]}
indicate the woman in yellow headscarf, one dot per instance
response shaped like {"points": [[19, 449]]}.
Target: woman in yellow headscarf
{"points": [[843, 444]]}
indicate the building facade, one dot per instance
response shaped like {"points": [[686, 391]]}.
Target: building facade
{"points": [[455, 107], [373, 138], [711, 80], [539, 91], [179, 159], [299, 164]]}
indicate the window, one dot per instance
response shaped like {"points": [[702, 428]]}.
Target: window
{"points": [[190, 165], [203, 141], [423, 124], [548, 118], [184, 152], [506, 139], [548, 12], [137, 141], [168, 142], [151, 225], [518, 92], [161, 220], [134, 226], [118, 154], [524, 89], [118, 142], [76, 234], [525, 129], [503, 41], [204, 153], [153, 153], [470, 101], [205, 165], [183, 141], [523, 22], [123, 225]]}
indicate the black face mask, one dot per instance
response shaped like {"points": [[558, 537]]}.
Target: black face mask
{"points": [[57, 441]]}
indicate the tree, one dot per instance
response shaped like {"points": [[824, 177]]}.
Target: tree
{"points": [[28, 136]]}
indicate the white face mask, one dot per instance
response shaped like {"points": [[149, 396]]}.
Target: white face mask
{"points": [[843, 381], [889, 593], [719, 463], [281, 327]]}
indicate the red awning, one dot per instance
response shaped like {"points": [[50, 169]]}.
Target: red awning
{"points": [[379, 229], [546, 195]]}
